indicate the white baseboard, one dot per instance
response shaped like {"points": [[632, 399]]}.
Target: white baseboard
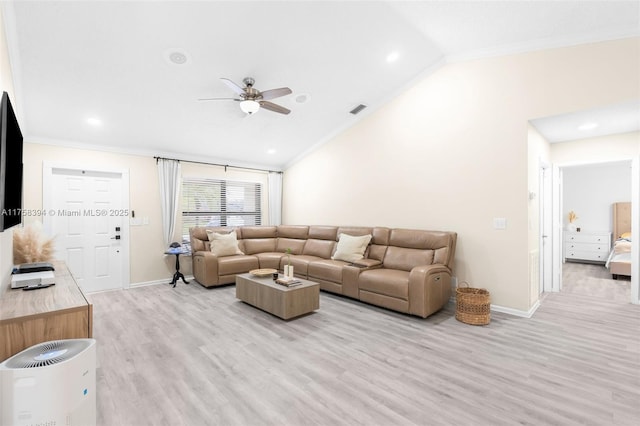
{"points": [[516, 312], [155, 282], [509, 311]]}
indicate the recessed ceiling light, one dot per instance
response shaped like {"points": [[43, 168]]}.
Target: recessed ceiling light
{"points": [[94, 121], [271, 151], [177, 56], [393, 56], [587, 126], [302, 98]]}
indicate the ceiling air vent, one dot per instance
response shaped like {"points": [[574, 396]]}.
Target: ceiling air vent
{"points": [[357, 109]]}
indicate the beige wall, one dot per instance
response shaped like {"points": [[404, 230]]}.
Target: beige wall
{"points": [[624, 146], [146, 245], [451, 153], [6, 84], [147, 261]]}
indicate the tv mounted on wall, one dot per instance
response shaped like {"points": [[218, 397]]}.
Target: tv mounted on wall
{"points": [[10, 166]]}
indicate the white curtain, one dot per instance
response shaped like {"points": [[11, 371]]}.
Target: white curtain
{"points": [[275, 198], [169, 175]]}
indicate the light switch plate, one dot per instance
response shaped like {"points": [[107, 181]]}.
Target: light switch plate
{"points": [[499, 223]]}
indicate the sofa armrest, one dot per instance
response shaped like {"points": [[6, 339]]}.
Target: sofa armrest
{"points": [[205, 268], [429, 289], [350, 274], [367, 263]]}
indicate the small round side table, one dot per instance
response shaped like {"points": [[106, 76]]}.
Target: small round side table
{"points": [[178, 275]]}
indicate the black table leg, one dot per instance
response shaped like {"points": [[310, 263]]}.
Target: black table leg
{"points": [[178, 275]]}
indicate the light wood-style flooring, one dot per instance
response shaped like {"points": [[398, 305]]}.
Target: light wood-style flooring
{"points": [[592, 279], [195, 356]]}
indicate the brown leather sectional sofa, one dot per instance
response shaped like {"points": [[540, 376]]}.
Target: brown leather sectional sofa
{"points": [[403, 269]]}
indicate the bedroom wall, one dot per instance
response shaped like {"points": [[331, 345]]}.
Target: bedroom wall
{"points": [[590, 191], [597, 173], [451, 153]]}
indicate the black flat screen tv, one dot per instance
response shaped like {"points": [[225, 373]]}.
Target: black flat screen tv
{"points": [[10, 166]]}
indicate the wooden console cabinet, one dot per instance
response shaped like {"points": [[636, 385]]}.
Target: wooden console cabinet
{"points": [[57, 312]]}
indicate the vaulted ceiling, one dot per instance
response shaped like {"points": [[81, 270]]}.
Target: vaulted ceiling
{"points": [[127, 75]]}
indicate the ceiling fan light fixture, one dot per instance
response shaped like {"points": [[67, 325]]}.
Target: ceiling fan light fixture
{"points": [[249, 106]]}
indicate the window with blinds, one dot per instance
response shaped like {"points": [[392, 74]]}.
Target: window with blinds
{"points": [[214, 202]]}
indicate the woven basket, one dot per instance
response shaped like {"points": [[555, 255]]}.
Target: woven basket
{"points": [[473, 305]]}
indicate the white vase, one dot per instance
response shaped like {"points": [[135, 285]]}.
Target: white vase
{"points": [[286, 270], [572, 227], [290, 271]]}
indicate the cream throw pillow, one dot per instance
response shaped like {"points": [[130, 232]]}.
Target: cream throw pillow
{"points": [[351, 248], [224, 244]]}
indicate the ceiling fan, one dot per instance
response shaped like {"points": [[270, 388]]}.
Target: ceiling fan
{"points": [[252, 99]]}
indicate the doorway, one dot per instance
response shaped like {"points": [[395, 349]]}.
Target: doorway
{"points": [[88, 213], [619, 182]]}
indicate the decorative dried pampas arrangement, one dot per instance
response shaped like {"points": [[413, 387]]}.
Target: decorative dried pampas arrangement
{"points": [[31, 245]]}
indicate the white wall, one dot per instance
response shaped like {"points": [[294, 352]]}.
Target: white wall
{"points": [[451, 153], [590, 191]]}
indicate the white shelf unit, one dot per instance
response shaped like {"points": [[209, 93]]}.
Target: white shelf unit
{"points": [[587, 246]]}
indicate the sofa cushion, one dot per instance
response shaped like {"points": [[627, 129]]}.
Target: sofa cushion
{"points": [[236, 264], [259, 245], [224, 244], [351, 248], [326, 269], [406, 258], [388, 282], [355, 230], [319, 248], [258, 232], [442, 243], [269, 260], [293, 231], [323, 232], [300, 263], [295, 245]]}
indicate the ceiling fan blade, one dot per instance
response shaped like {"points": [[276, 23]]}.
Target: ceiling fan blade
{"points": [[219, 99], [275, 93], [239, 90], [274, 107]]}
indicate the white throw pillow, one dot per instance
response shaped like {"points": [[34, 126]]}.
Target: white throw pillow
{"points": [[351, 248], [224, 244]]}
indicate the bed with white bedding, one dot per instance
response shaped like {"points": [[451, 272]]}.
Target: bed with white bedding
{"points": [[619, 260]]}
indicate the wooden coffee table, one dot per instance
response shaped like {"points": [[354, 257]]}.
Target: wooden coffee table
{"points": [[281, 301]]}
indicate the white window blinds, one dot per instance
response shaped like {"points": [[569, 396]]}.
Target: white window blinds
{"points": [[215, 202]]}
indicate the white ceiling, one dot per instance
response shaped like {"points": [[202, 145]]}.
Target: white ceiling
{"points": [[606, 120], [74, 60]]}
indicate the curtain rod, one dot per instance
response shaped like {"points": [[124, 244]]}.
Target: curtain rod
{"points": [[220, 165]]}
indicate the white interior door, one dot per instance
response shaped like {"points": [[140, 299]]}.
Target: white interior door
{"points": [[556, 231], [546, 229], [88, 215]]}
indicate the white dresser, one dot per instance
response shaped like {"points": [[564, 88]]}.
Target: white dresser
{"points": [[589, 246]]}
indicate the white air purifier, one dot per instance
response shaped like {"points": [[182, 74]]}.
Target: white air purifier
{"points": [[51, 383]]}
